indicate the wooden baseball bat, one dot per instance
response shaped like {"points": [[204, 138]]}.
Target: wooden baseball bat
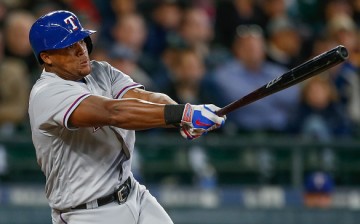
{"points": [[301, 72]]}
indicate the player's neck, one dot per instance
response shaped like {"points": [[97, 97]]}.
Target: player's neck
{"points": [[64, 74]]}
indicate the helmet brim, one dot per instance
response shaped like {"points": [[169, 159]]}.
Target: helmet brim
{"points": [[71, 39]]}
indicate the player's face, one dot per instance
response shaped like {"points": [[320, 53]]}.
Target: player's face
{"points": [[71, 63]]}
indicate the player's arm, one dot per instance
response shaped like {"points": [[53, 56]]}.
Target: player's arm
{"points": [[154, 97], [130, 113], [191, 127], [138, 109], [138, 114], [149, 96]]}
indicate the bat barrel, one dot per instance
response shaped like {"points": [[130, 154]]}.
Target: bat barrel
{"points": [[342, 51], [301, 72], [317, 65]]}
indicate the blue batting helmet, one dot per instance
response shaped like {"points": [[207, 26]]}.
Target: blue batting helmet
{"points": [[57, 30]]}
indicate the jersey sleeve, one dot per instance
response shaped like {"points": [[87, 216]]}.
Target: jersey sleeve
{"points": [[121, 83], [53, 104]]}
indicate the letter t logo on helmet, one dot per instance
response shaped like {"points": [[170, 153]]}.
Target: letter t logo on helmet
{"points": [[57, 30], [70, 20]]}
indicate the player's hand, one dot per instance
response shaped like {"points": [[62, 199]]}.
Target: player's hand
{"points": [[191, 133], [197, 120]]}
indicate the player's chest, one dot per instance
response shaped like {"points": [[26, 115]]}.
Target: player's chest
{"points": [[100, 89]]}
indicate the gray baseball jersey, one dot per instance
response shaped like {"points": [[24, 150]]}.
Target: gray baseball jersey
{"points": [[80, 164]]}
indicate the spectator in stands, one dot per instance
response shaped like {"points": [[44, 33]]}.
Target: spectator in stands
{"points": [[162, 75], [109, 12], [355, 5], [205, 175], [247, 71], [270, 10], [14, 89], [319, 187], [187, 70], [123, 7], [333, 8], [16, 30], [3, 12], [14, 93], [209, 6], [320, 116], [274, 10], [343, 30], [231, 14], [284, 43], [164, 21], [316, 14], [130, 31], [310, 13], [321, 44], [46, 7], [16, 4], [187, 73], [125, 59], [86, 8], [196, 31]]}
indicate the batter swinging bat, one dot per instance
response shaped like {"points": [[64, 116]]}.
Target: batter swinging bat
{"points": [[303, 71]]}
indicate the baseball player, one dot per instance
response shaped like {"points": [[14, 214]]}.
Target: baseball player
{"points": [[83, 117]]}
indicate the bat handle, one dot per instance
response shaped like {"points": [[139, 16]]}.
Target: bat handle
{"points": [[220, 112]]}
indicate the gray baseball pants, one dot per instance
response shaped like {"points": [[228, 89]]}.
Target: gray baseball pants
{"points": [[140, 208]]}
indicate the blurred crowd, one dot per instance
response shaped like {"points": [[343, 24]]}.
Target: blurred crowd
{"points": [[209, 51], [206, 51]]}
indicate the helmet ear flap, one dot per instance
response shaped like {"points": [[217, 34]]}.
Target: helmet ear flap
{"points": [[89, 44]]}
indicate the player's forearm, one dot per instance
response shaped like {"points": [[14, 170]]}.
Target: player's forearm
{"points": [[153, 97], [136, 114], [161, 98], [129, 113]]}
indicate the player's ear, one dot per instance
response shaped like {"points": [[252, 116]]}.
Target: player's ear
{"points": [[45, 57]]}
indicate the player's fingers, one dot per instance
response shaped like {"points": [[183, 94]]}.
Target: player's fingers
{"points": [[189, 133], [209, 114], [212, 107], [197, 131]]}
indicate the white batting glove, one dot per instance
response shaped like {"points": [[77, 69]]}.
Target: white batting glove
{"points": [[197, 120]]}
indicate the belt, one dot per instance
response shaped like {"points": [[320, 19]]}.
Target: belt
{"points": [[120, 195]]}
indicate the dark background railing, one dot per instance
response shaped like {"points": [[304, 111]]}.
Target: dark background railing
{"points": [[240, 162]]}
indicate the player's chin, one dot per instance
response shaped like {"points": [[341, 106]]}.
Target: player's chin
{"points": [[85, 68]]}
